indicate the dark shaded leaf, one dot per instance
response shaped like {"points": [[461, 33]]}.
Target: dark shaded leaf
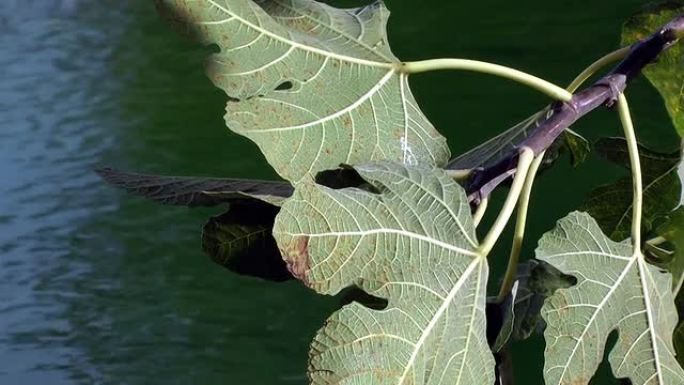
{"points": [[197, 191], [241, 241], [508, 322], [576, 145], [679, 331], [679, 341], [521, 317], [672, 232], [667, 75], [611, 205], [505, 145], [499, 147]]}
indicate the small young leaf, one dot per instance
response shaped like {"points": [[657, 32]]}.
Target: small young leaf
{"points": [[611, 205], [520, 314], [412, 243], [575, 144], [314, 86], [509, 321], [667, 75], [241, 241], [538, 281], [616, 290], [197, 191]]}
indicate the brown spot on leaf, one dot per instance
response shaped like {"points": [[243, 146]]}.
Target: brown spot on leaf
{"points": [[297, 257]]}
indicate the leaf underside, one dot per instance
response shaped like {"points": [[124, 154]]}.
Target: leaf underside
{"points": [[314, 86], [412, 243], [197, 191], [616, 290]]}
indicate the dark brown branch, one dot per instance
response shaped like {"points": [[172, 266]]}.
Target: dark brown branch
{"points": [[602, 93]]}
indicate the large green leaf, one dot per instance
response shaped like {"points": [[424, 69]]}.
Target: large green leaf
{"points": [[667, 75], [312, 85], [413, 243], [616, 290], [611, 205]]}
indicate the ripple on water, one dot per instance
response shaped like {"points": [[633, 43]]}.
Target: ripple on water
{"points": [[50, 138]]}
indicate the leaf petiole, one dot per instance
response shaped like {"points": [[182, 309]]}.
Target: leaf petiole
{"points": [[520, 224], [635, 163], [532, 81], [480, 212], [459, 175], [523, 205], [524, 163], [596, 66]]}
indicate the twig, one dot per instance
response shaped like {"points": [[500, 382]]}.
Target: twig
{"points": [[604, 92]]}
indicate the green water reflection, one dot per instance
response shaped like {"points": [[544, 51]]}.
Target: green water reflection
{"points": [[99, 287]]}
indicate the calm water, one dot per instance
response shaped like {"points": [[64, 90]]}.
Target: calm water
{"points": [[99, 287]]}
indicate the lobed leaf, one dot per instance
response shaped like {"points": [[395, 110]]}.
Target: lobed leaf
{"points": [[411, 242], [616, 290], [314, 86]]}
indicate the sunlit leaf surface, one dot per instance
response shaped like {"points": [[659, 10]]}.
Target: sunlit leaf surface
{"points": [[616, 290], [412, 243], [314, 86]]}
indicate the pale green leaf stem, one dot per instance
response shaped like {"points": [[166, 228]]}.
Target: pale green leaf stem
{"points": [[524, 163], [523, 206], [480, 211], [519, 234], [635, 162], [596, 66], [534, 82]]}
